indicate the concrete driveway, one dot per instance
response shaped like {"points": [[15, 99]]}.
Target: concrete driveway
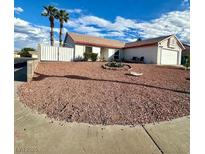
{"points": [[36, 134]]}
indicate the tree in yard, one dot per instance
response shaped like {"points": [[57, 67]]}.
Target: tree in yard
{"points": [[62, 16], [50, 12], [28, 49], [25, 52]]}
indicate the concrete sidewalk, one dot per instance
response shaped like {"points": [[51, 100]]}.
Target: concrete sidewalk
{"points": [[36, 134]]}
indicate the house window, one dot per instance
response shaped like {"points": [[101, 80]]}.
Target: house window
{"points": [[88, 49], [117, 55]]}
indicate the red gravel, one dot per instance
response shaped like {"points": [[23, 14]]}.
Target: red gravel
{"points": [[85, 92]]}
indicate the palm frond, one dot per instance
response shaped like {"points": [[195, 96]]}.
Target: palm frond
{"points": [[62, 15], [49, 11]]}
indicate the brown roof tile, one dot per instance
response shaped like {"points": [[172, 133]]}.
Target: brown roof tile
{"points": [[102, 42], [146, 42], [95, 41]]}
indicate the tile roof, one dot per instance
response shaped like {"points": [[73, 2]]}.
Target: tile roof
{"points": [[102, 42], [95, 41], [187, 47], [146, 42]]}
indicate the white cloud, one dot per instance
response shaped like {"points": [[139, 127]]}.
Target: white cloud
{"points": [[130, 40], [175, 22], [120, 23], [115, 34], [30, 35], [93, 20], [77, 11], [86, 29], [71, 11], [18, 10]]}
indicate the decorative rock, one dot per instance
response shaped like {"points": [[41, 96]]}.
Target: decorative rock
{"points": [[89, 94]]}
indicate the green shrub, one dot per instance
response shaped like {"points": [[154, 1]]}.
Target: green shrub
{"points": [[90, 55], [185, 61], [28, 49], [94, 56], [87, 55], [25, 54]]}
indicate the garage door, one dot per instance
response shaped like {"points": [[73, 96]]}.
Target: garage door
{"points": [[169, 57]]}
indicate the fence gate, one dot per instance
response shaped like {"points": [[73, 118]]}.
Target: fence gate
{"points": [[50, 53], [65, 54]]}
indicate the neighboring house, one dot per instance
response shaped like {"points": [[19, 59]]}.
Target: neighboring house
{"points": [[165, 50], [34, 54], [186, 51], [185, 60]]}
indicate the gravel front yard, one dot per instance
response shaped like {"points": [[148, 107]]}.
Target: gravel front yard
{"points": [[85, 92]]}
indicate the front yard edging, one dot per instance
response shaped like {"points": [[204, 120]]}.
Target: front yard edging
{"points": [[31, 66], [125, 67]]}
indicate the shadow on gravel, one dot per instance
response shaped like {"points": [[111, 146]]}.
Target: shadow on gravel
{"points": [[43, 76]]}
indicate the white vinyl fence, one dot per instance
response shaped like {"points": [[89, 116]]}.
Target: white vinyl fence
{"points": [[52, 53]]}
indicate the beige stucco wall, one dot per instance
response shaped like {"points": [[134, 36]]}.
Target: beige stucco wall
{"points": [[96, 50], [104, 54], [111, 53], [149, 53], [79, 50], [107, 53]]}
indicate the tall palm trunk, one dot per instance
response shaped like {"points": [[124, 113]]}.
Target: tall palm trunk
{"points": [[51, 33], [60, 34]]}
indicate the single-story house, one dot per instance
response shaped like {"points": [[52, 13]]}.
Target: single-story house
{"points": [[164, 50]]}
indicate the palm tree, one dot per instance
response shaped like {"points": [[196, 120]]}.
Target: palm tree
{"points": [[50, 12], [62, 16]]}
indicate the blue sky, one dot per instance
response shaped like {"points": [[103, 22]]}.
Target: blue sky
{"points": [[124, 20]]}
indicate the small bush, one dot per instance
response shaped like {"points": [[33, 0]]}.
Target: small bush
{"points": [[185, 61], [25, 54], [94, 56], [87, 55], [28, 49], [90, 55]]}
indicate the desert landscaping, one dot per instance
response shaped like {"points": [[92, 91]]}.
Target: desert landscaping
{"points": [[85, 92]]}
